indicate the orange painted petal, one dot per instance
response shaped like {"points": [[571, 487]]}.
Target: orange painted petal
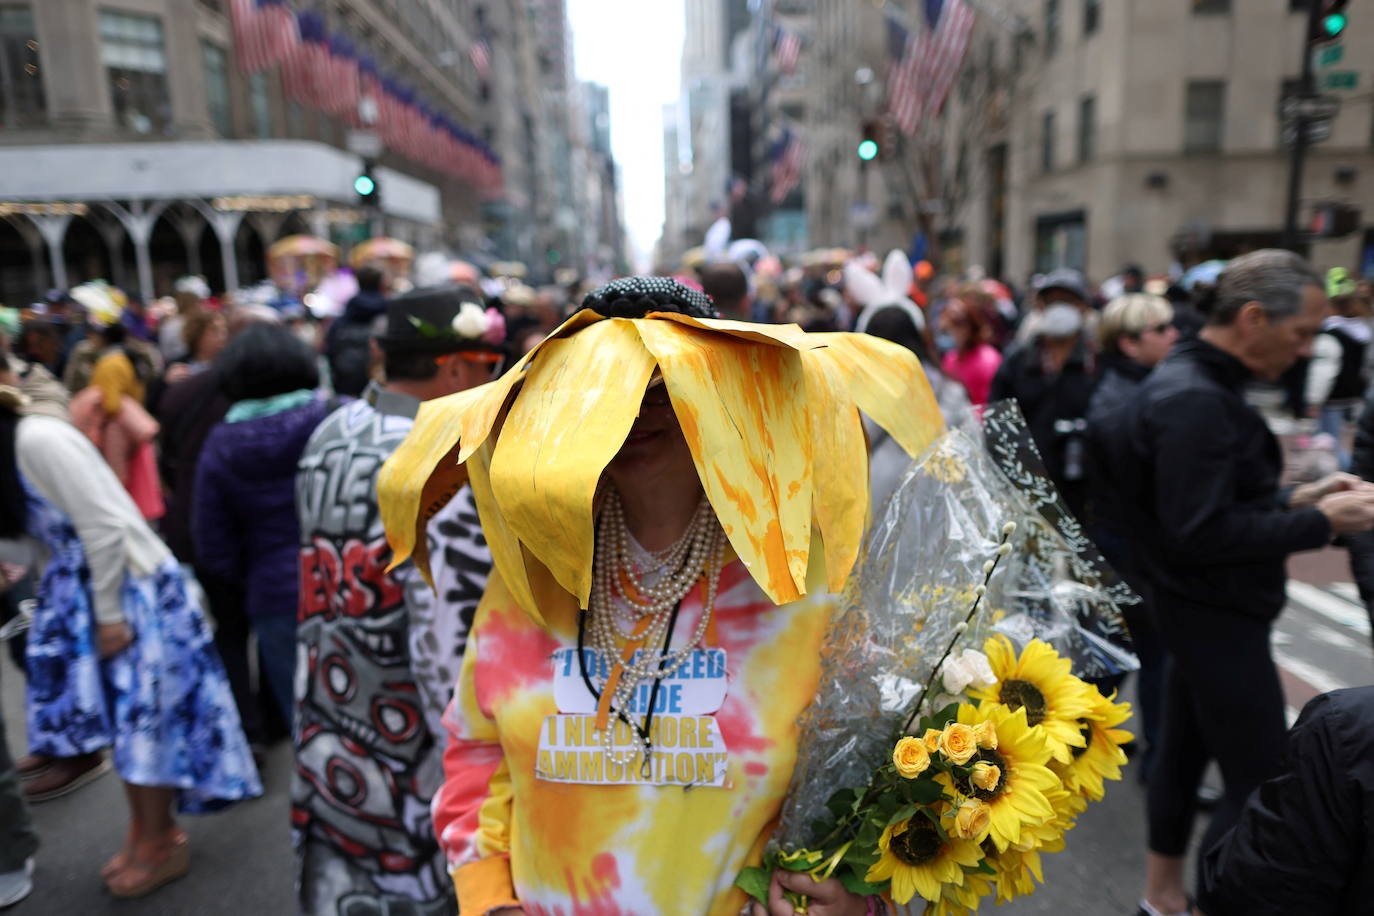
{"points": [[839, 454], [577, 404], [887, 382], [743, 410]]}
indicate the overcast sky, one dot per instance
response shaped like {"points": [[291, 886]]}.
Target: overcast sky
{"points": [[633, 47]]}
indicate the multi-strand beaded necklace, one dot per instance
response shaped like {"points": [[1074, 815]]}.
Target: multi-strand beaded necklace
{"points": [[644, 601]]}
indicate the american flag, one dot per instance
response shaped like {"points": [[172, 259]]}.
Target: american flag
{"points": [[788, 155], [480, 52], [786, 49], [924, 64], [344, 86], [306, 75], [264, 33]]}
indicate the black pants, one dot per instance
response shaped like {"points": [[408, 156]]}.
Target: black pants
{"points": [[231, 641], [1222, 702], [18, 840]]}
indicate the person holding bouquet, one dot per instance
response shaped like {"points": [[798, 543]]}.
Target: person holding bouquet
{"points": [[671, 503]]}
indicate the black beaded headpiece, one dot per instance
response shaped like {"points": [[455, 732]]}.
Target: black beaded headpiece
{"points": [[635, 297]]}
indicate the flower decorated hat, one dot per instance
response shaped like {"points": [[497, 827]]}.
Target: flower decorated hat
{"points": [[441, 320], [771, 415]]}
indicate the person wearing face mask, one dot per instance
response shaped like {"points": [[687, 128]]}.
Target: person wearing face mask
{"points": [[1135, 334]]}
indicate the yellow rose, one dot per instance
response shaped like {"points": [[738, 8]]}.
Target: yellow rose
{"points": [[932, 739], [986, 775], [910, 757], [971, 819], [985, 735], [957, 743]]}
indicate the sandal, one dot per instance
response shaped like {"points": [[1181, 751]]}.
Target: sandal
{"points": [[139, 878], [120, 860]]}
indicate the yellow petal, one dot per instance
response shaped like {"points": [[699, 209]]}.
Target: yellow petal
{"points": [[886, 381], [744, 415], [839, 490], [784, 335], [406, 497], [506, 553], [578, 402]]}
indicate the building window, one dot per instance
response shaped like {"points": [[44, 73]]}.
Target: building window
{"points": [[1205, 116], [1087, 128], [135, 61], [217, 87], [261, 105], [1211, 7], [1092, 16], [1051, 26], [21, 80], [1047, 142]]}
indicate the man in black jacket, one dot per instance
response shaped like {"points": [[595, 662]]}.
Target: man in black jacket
{"points": [[1302, 844], [1214, 531]]}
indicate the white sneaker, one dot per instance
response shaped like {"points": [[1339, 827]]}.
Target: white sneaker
{"points": [[16, 885]]}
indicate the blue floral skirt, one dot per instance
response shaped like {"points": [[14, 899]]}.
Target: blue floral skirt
{"points": [[163, 703]]}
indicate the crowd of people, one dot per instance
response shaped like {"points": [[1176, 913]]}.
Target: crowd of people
{"points": [[194, 539]]}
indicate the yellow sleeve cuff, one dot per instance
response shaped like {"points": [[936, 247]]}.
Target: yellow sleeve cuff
{"points": [[484, 885]]}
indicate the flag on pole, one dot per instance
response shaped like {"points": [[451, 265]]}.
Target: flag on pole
{"points": [[903, 100], [788, 155], [925, 63], [305, 74], [786, 49], [264, 33]]}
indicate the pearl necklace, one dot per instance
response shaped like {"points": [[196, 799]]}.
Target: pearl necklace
{"points": [[621, 597]]}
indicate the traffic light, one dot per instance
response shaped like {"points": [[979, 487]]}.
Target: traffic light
{"points": [[1334, 220], [369, 192], [871, 141], [1330, 22]]}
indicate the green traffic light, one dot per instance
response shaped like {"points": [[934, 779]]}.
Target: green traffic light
{"points": [[868, 150], [364, 185], [1334, 24]]}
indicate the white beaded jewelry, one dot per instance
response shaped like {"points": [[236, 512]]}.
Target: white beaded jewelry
{"points": [[654, 593]]}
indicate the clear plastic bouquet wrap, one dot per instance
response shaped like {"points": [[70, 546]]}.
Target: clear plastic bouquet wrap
{"points": [[975, 614]]}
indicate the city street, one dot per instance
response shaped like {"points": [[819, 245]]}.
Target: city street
{"points": [[241, 860]]}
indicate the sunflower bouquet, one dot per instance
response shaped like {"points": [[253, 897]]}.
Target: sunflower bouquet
{"points": [[951, 745]]}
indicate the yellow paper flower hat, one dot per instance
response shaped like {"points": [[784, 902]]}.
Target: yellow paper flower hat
{"points": [[771, 415]]}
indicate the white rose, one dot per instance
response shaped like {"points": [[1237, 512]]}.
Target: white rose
{"points": [[981, 674], [470, 322], [969, 667]]}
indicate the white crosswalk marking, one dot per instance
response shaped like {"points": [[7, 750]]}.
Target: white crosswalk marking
{"points": [[1337, 609], [1323, 638]]}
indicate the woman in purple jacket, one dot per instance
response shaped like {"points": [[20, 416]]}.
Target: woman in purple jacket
{"points": [[243, 520]]}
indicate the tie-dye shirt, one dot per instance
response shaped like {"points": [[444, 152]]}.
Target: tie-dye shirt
{"points": [[566, 849]]}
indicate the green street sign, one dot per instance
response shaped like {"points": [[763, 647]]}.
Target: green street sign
{"points": [[1340, 79], [1331, 54]]}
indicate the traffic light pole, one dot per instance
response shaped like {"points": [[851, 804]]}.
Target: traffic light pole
{"points": [[1298, 158]]}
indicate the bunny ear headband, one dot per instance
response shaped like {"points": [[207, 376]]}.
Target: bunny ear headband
{"points": [[874, 293]]}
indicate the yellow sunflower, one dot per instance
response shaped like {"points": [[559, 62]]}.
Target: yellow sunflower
{"points": [[1039, 682], [919, 861], [963, 899], [771, 415], [1016, 864], [1017, 799], [1101, 758]]}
